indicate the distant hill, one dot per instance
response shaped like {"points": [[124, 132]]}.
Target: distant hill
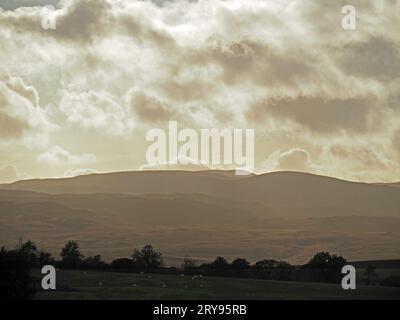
{"points": [[283, 215], [322, 195]]}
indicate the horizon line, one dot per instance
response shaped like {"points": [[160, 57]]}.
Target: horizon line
{"points": [[251, 175]]}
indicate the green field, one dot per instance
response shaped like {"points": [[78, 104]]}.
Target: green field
{"points": [[128, 286]]}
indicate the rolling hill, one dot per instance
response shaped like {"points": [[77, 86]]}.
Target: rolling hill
{"points": [[283, 189], [284, 215]]}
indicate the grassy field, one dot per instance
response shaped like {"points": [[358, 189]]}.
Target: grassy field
{"points": [[128, 286]]}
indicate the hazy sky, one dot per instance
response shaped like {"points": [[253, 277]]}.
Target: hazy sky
{"points": [[81, 98]]}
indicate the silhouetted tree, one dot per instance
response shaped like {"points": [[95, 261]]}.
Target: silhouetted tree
{"points": [[188, 264], [71, 255], [94, 262], [265, 268], [284, 271], [240, 264], [30, 251], [273, 269], [219, 263], [240, 268], [16, 282], [326, 267], [122, 263], [147, 258], [266, 264], [45, 258]]}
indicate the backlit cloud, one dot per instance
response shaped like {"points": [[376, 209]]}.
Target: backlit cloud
{"points": [[321, 99], [59, 156]]}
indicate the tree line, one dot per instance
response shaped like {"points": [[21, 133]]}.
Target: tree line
{"points": [[16, 281]]}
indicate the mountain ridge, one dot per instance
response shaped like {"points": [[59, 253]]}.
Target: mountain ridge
{"points": [[280, 189], [281, 215], [220, 172]]}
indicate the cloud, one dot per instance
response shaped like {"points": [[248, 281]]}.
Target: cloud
{"points": [[14, 4], [70, 173], [112, 69], [358, 160], [82, 21], [96, 110], [150, 109], [180, 163], [59, 156], [21, 116], [11, 127], [371, 157], [295, 159], [396, 142], [374, 58], [8, 174], [321, 114]]}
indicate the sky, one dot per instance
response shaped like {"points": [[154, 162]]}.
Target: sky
{"points": [[80, 98]]}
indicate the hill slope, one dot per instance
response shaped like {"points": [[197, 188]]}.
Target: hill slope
{"points": [[331, 196], [282, 215]]}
